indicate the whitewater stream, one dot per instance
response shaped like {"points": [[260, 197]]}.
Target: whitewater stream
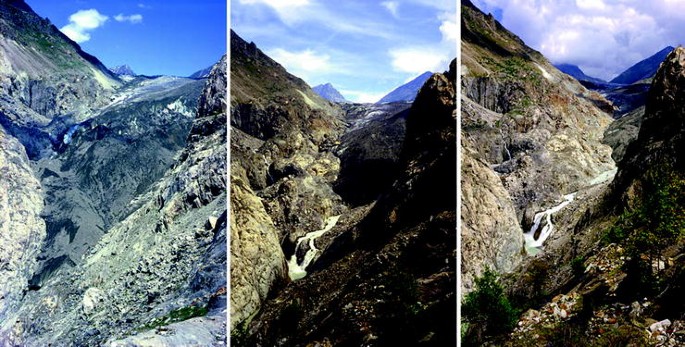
{"points": [[298, 270], [534, 245]]}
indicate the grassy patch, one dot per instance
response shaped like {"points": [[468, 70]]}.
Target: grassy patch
{"points": [[174, 316]]}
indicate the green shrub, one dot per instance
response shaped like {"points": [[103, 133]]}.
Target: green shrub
{"points": [[487, 310], [578, 266]]}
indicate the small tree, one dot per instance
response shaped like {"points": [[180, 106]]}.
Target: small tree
{"points": [[487, 310]]}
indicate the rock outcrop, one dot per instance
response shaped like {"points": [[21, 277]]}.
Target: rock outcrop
{"points": [[21, 225], [661, 132], [370, 150]]}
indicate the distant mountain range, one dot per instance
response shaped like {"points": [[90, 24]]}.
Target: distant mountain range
{"points": [[406, 92], [575, 72], [123, 70], [328, 92], [643, 69]]}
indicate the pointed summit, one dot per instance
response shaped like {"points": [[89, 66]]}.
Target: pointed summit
{"points": [[643, 69], [328, 92], [406, 92], [123, 70]]}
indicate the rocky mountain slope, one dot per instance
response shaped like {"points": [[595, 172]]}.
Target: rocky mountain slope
{"points": [[328, 92], [164, 262], [610, 271], [92, 179], [370, 150], [406, 92], [627, 283], [204, 73], [44, 75], [368, 287], [532, 135], [353, 280], [643, 69], [107, 247], [23, 230], [282, 171]]}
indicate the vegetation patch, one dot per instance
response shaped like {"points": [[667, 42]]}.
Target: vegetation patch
{"points": [[487, 311], [657, 222], [174, 316]]}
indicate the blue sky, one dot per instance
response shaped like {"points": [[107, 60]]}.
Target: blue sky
{"points": [[154, 37], [364, 48], [603, 37]]}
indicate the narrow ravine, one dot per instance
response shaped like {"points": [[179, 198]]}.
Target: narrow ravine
{"points": [[298, 270], [534, 245]]}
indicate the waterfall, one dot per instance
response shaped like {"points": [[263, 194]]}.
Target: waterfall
{"points": [[533, 245], [298, 270]]}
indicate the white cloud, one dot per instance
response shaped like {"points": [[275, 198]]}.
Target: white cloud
{"points": [[304, 64], [294, 12], [417, 60], [133, 19], [590, 4], [448, 28], [75, 33], [391, 6], [290, 11], [142, 5], [603, 37], [81, 22]]}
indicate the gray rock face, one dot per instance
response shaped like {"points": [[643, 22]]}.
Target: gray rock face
{"points": [[622, 132], [369, 150], [487, 242], [43, 76], [168, 255], [92, 180], [660, 135], [21, 226]]}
